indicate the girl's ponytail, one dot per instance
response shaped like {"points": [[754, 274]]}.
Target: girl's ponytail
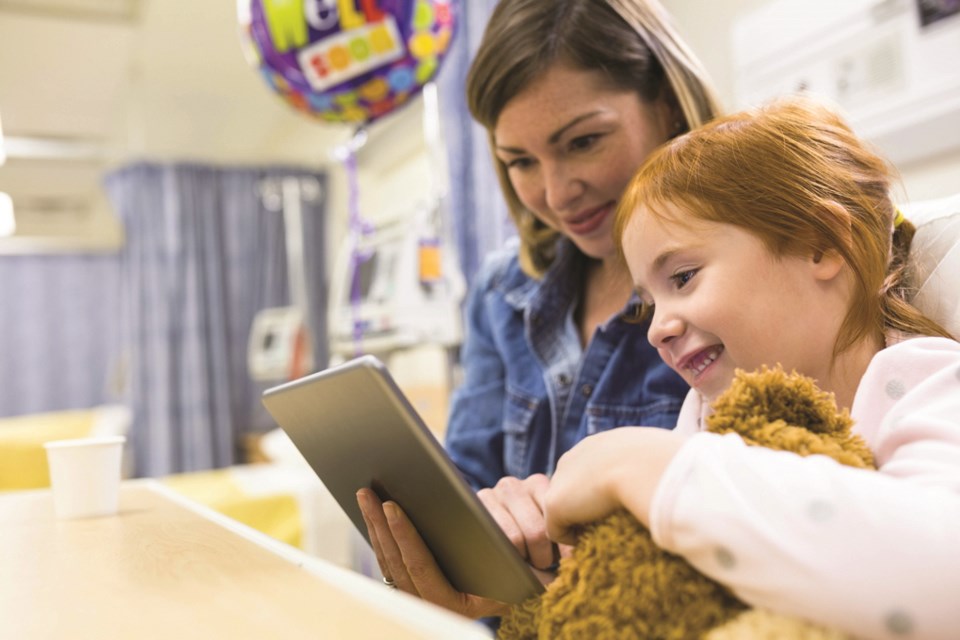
{"points": [[895, 307]]}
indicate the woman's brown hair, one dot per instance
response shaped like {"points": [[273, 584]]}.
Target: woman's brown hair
{"points": [[795, 175], [631, 41]]}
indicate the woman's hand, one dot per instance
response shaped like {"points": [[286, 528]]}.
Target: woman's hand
{"points": [[405, 559], [604, 472]]}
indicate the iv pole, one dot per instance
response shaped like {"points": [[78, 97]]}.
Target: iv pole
{"points": [[287, 195], [291, 192]]}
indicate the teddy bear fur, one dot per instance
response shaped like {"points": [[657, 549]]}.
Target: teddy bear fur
{"points": [[617, 584]]}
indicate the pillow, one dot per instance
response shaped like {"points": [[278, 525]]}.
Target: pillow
{"points": [[935, 259]]}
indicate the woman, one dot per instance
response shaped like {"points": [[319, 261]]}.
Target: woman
{"points": [[574, 94]]}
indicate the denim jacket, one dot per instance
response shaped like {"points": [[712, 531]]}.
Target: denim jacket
{"points": [[530, 391]]}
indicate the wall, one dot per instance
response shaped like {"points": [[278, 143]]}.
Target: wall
{"points": [[707, 26], [932, 178], [393, 173], [396, 172]]}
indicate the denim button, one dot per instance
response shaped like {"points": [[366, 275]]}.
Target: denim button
{"points": [[586, 390]]}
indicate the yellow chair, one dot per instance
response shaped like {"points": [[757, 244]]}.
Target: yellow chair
{"points": [[23, 460], [274, 511]]}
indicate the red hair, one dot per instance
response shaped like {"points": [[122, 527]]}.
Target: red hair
{"points": [[795, 175]]}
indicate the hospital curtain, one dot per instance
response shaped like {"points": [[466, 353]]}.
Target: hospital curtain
{"points": [[203, 254], [477, 208], [58, 331]]}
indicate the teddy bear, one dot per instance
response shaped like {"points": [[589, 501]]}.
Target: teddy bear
{"points": [[618, 584]]}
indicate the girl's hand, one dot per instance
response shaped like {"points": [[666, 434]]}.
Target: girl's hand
{"points": [[405, 559], [607, 471], [518, 507]]}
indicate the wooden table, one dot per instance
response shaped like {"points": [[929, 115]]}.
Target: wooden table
{"points": [[164, 567]]}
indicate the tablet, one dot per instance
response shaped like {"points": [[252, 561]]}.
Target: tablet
{"points": [[357, 429]]}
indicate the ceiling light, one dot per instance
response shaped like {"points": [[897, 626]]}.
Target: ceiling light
{"points": [[50, 148]]}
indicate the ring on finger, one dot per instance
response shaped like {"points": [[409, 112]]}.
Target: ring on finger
{"points": [[390, 583]]}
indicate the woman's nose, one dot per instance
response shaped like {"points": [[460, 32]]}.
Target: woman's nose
{"points": [[664, 327], [562, 187]]}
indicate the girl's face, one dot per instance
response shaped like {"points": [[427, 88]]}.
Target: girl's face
{"points": [[722, 301], [571, 144]]}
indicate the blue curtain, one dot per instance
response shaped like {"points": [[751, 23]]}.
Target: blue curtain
{"points": [[203, 254], [479, 215], [58, 332]]}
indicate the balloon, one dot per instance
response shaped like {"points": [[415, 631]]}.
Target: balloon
{"points": [[347, 60]]}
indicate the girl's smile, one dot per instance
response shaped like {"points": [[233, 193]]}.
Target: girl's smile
{"points": [[697, 363]]}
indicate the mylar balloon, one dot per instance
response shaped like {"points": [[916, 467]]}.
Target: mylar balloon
{"points": [[348, 60]]}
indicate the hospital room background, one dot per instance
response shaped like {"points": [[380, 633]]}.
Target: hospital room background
{"points": [[175, 238]]}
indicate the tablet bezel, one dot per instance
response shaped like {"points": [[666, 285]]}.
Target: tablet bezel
{"points": [[356, 429]]}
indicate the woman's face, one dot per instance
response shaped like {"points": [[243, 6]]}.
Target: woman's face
{"points": [[571, 143]]}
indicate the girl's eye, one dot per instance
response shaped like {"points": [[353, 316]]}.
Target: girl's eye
{"points": [[682, 278]]}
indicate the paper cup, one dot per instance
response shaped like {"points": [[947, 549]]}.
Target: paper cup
{"points": [[85, 475]]}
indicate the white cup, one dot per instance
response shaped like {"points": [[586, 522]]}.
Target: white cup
{"points": [[85, 475]]}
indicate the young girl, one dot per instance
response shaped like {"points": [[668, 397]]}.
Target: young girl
{"points": [[769, 237]]}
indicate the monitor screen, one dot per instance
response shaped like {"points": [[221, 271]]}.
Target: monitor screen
{"points": [[366, 273]]}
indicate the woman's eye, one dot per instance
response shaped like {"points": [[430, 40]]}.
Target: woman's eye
{"points": [[682, 278], [582, 143], [647, 309], [518, 163]]}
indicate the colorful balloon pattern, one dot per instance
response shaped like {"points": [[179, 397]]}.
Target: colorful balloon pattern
{"points": [[348, 61]]}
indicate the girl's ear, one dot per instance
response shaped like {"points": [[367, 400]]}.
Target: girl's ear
{"points": [[827, 265]]}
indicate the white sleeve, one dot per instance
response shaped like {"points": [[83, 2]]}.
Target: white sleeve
{"points": [[690, 418], [872, 553]]}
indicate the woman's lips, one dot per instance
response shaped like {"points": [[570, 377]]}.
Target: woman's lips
{"points": [[590, 221]]}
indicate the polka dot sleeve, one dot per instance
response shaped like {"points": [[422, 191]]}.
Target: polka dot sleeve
{"points": [[874, 553]]}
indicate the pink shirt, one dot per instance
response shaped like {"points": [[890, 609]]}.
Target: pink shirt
{"points": [[876, 554]]}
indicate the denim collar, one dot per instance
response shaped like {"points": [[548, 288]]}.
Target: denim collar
{"points": [[557, 290], [558, 287]]}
